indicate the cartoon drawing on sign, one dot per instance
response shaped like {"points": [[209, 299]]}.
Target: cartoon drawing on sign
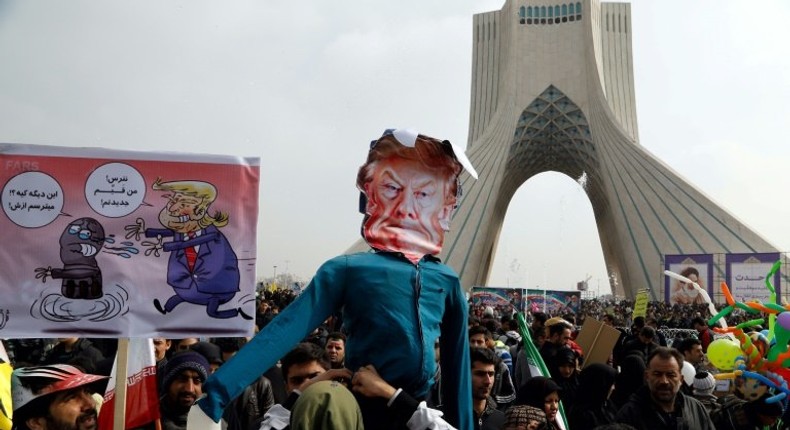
{"points": [[202, 268], [33, 200], [80, 242]]}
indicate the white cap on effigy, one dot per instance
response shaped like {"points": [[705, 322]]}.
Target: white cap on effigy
{"points": [[408, 137]]}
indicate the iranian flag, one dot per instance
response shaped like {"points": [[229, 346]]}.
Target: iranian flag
{"points": [[142, 399], [536, 365]]}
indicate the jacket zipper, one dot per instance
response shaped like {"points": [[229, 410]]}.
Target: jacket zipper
{"points": [[417, 292]]}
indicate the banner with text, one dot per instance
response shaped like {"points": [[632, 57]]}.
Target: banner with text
{"points": [[697, 268], [746, 276], [110, 243]]}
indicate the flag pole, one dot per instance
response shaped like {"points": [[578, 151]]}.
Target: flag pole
{"points": [[545, 288], [121, 374]]}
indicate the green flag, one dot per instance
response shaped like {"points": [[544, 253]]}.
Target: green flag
{"points": [[536, 365]]}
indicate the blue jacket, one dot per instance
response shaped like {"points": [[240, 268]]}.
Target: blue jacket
{"points": [[393, 311], [216, 268]]}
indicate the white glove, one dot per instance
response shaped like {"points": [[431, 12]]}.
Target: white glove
{"points": [[427, 418], [276, 418], [198, 420]]}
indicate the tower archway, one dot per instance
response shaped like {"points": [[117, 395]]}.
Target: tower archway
{"points": [[549, 238], [561, 98], [558, 95]]}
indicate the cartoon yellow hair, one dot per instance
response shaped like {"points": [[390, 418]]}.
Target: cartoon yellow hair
{"points": [[202, 190]]}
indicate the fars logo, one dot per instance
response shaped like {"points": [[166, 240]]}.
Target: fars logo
{"points": [[17, 166]]}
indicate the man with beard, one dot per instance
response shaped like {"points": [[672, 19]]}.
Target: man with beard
{"points": [[182, 384], [691, 348], [659, 404], [399, 291], [336, 349], [486, 414], [558, 336], [55, 397]]}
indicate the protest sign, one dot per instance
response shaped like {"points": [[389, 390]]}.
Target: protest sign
{"points": [[112, 243], [597, 340]]}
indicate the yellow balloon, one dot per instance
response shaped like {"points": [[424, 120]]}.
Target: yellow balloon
{"points": [[5, 396], [723, 352]]}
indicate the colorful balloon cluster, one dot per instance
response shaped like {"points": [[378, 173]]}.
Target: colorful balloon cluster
{"points": [[762, 356]]}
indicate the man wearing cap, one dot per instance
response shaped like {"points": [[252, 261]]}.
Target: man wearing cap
{"points": [[399, 290], [182, 384], [55, 397], [702, 389], [211, 352]]}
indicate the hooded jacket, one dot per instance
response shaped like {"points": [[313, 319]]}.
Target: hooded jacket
{"points": [[534, 393], [83, 348], [593, 408], [629, 380]]}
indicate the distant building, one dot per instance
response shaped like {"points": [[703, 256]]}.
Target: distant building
{"points": [[553, 90]]}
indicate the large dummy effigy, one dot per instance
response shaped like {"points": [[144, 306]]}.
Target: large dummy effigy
{"points": [[397, 299]]}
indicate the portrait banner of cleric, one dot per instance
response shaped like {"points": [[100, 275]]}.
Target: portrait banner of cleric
{"points": [[396, 299]]}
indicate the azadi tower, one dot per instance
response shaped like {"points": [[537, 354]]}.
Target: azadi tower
{"points": [[553, 90]]}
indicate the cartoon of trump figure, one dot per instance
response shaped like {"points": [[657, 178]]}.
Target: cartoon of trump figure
{"points": [[203, 268]]}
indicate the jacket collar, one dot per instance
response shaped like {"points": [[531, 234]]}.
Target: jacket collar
{"points": [[400, 256], [644, 396]]}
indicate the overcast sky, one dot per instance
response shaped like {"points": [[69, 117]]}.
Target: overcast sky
{"points": [[306, 85]]}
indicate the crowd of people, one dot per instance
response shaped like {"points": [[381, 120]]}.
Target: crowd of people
{"points": [[385, 340], [648, 382], [643, 384], [667, 316]]}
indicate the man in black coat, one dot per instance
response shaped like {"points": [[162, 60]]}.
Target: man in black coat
{"points": [[75, 350], [660, 405], [644, 342], [486, 415]]}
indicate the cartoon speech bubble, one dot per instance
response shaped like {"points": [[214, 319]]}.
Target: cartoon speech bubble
{"points": [[115, 190], [32, 199]]}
